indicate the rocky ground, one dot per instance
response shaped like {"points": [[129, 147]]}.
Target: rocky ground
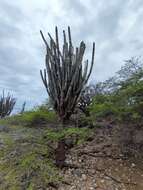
{"points": [[99, 163]]}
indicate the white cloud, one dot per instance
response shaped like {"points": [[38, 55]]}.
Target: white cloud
{"points": [[115, 26]]}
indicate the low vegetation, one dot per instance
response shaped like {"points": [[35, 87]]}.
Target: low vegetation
{"points": [[120, 97], [27, 163], [28, 156], [38, 116]]}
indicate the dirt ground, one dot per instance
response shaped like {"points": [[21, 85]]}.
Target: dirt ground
{"points": [[101, 165]]}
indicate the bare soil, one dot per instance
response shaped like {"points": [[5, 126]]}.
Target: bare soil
{"points": [[101, 164]]}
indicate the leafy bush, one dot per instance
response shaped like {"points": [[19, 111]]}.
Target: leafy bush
{"points": [[37, 117], [31, 118], [78, 135], [102, 106], [125, 102]]}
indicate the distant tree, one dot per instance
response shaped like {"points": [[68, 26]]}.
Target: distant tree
{"points": [[132, 66]]}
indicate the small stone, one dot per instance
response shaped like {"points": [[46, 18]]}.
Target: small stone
{"points": [[94, 180], [133, 165], [72, 187], [102, 180], [77, 172], [92, 171], [95, 185], [4, 129], [84, 177]]}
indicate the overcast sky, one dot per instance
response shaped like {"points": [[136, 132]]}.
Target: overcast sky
{"points": [[116, 26]]}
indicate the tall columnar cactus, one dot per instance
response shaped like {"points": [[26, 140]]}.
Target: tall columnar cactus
{"points": [[6, 105], [66, 74]]}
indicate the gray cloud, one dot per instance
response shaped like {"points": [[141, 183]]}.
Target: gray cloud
{"points": [[115, 26], [75, 7]]}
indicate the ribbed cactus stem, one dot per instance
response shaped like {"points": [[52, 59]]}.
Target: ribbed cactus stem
{"points": [[65, 76], [7, 104]]}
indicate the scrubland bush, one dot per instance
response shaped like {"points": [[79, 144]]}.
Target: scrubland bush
{"points": [[125, 100], [37, 116]]}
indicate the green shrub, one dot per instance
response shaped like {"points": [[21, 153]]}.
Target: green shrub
{"points": [[31, 118], [79, 135], [126, 104], [102, 106], [37, 117]]}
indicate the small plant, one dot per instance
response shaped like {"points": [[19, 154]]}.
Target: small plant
{"points": [[79, 134], [7, 104], [66, 138], [66, 75]]}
